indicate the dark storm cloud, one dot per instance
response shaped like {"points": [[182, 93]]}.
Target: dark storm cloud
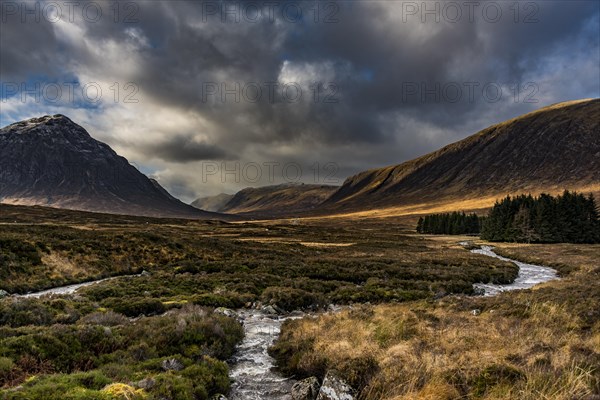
{"points": [[183, 149], [364, 40], [375, 55], [26, 50]]}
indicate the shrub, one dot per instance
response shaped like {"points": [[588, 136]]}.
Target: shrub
{"points": [[290, 299], [137, 306], [6, 367], [121, 391], [174, 387], [107, 318]]}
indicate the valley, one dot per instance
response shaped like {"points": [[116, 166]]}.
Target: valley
{"points": [[187, 271]]}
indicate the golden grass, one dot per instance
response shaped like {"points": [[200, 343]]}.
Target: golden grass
{"points": [[62, 267], [478, 204], [526, 345], [320, 244]]}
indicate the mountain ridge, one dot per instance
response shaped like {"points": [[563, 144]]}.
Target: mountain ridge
{"points": [[287, 199], [531, 152]]}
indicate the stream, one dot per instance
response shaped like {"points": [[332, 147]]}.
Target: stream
{"points": [[529, 275], [69, 289], [251, 370], [252, 367]]}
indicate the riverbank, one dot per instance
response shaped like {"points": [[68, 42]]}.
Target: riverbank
{"points": [[527, 344]]}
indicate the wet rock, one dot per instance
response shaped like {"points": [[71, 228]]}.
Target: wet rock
{"points": [[269, 310], [335, 388], [306, 389], [226, 312], [172, 364], [278, 309], [333, 308], [3, 294], [478, 291]]}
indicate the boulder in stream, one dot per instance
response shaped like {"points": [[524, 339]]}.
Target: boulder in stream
{"points": [[306, 389], [226, 312], [269, 310], [335, 388]]}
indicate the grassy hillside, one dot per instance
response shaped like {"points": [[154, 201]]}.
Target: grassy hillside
{"points": [[552, 149], [279, 200]]}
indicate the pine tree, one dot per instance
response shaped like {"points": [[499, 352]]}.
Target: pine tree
{"points": [[420, 225], [570, 217]]}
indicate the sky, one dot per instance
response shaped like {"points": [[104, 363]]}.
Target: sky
{"points": [[215, 96]]}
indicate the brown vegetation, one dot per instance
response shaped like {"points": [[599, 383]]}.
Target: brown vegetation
{"points": [[534, 344]]}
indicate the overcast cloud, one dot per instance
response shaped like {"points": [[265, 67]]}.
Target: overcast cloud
{"points": [[347, 86]]}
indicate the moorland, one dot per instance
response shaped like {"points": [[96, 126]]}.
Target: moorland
{"points": [[408, 331]]}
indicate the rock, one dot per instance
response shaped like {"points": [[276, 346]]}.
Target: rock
{"points": [[278, 309], [334, 388], [306, 389], [226, 312], [172, 364], [440, 294], [478, 291], [3, 294], [145, 273], [475, 312], [146, 383], [269, 310]]}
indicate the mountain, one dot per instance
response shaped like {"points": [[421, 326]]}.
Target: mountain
{"points": [[551, 149], [212, 203], [288, 199], [52, 161]]}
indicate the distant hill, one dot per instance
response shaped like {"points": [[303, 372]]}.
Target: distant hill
{"points": [[51, 161], [212, 203], [271, 201], [551, 149]]}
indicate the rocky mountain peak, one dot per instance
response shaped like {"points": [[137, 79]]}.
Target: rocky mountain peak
{"points": [[52, 161]]}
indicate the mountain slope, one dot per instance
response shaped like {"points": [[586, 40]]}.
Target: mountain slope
{"points": [[212, 203], [54, 162], [550, 149], [278, 200]]}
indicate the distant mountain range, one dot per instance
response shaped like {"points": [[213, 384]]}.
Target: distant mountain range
{"points": [[551, 149], [289, 199], [52, 161]]}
